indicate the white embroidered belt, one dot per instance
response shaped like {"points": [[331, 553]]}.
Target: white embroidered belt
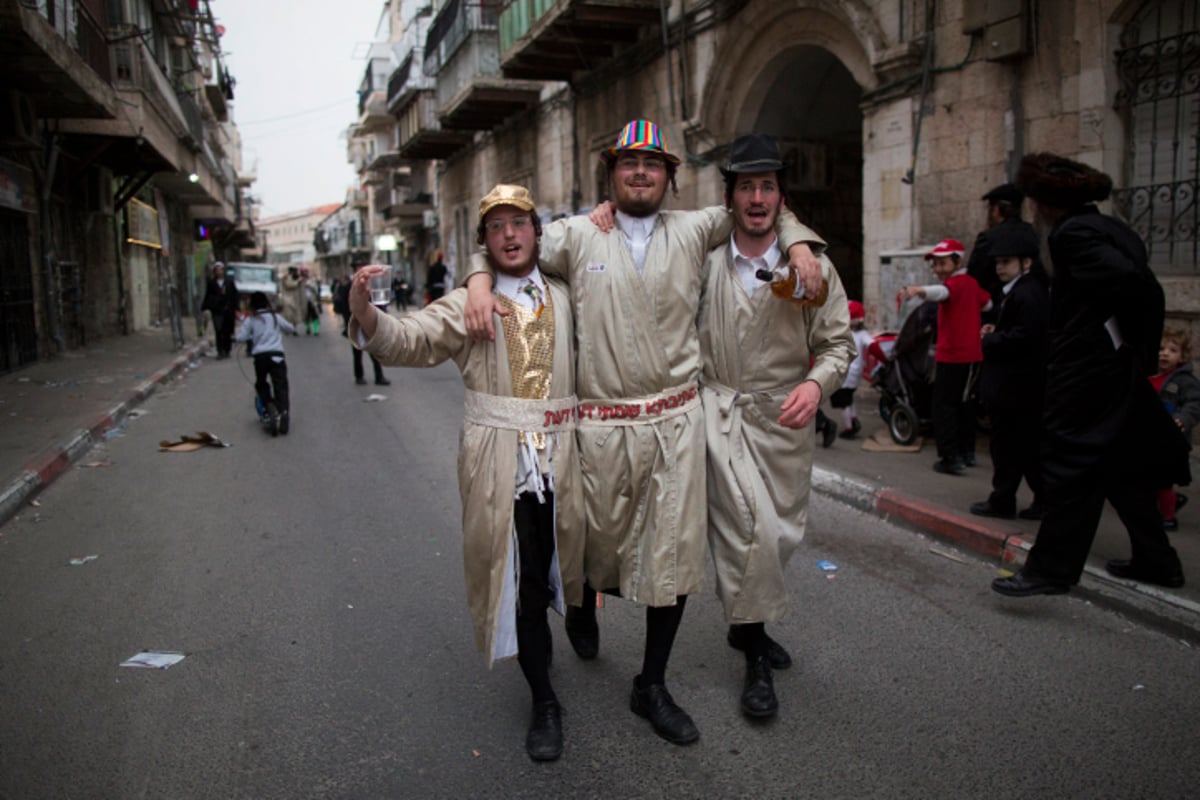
{"points": [[518, 414], [729, 399], [639, 410]]}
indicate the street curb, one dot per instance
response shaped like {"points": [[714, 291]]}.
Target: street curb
{"points": [[1167, 611], [47, 466]]}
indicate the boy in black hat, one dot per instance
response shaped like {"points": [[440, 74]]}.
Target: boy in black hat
{"points": [[1003, 214], [1014, 373]]}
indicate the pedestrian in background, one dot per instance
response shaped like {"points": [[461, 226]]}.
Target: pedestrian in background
{"points": [[1003, 216], [518, 474], [1105, 435], [341, 304], [312, 306], [292, 299], [435, 278], [1013, 379], [263, 329], [221, 302], [1179, 391], [958, 354], [843, 398]]}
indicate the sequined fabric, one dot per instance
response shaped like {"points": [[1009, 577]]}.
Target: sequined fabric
{"points": [[529, 338]]}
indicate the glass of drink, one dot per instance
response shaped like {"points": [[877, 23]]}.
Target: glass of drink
{"points": [[381, 285]]}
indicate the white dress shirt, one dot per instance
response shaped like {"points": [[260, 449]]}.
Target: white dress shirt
{"points": [[747, 266], [637, 232]]}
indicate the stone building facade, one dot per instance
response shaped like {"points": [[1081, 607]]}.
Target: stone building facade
{"points": [[120, 170], [895, 116]]}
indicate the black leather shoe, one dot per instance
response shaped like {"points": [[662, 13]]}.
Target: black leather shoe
{"points": [[758, 694], [777, 656], [969, 461], [1170, 524], [669, 720], [1025, 585], [1132, 572], [945, 467], [582, 632], [544, 741], [361, 381], [1034, 512], [383, 382], [984, 508], [828, 433], [285, 422]]}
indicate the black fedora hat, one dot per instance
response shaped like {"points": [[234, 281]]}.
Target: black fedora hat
{"points": [[753, 152], [1005, 193]]}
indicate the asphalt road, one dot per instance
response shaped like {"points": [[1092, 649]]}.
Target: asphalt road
{"points": [[315, 584]]}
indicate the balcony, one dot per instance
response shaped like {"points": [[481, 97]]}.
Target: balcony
{"points": [[462, 49], [66, 73], [405, 81], [420, 134], [357, 198], [408, 211], [555, 39]]}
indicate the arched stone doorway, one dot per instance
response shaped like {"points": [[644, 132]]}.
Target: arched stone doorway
{"points": [[812, 111], [797, 72]]}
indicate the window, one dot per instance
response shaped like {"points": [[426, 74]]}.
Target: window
{"points": [[1159, 68]]}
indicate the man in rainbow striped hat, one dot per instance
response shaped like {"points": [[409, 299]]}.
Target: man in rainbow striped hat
{"points": [[636, 293]]}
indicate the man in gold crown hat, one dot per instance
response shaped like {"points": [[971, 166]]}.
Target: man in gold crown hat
{"points": [[761, 353], [636, 290], [525, 552]]}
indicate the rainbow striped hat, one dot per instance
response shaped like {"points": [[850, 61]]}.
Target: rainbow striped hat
{"points": [[641, 134]]}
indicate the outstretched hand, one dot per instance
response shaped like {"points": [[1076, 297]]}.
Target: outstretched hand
{"points": [[360, 298], [800, 408]]}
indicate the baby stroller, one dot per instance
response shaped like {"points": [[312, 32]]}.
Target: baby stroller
{"points": [[905, 376]]}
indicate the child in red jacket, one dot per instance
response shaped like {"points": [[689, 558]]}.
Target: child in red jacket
{"points": [[959, 353]]}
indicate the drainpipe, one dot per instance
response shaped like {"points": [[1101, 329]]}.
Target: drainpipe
{"points": [[662, 9], [576, 188], [48, 248]]}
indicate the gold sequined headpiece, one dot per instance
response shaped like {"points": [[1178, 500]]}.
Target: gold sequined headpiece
{"points": [[506, 194]]}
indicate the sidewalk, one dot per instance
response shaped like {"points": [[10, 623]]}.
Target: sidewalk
{"points": [[904, 488], [51, 414]]}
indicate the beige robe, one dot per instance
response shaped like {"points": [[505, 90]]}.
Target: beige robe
{"points": [[292, 300], [643, 478], [487, 456], [756, 350]]}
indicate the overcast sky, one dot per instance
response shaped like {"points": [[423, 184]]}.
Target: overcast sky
{"points": [[297, 64]]}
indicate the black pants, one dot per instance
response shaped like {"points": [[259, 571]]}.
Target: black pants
{"points": [[223, 331], [953, 413], [272, 365], [534, 523], [358, 365], [1074, 503], [1014, 448]]}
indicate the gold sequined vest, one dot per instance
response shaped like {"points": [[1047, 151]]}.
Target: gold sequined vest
{"points": [[529, 339]]}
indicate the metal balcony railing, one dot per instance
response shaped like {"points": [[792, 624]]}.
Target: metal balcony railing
{"points": [[453, 24]]}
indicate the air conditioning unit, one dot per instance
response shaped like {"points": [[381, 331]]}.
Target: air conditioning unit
{"points": [[429, 218]]}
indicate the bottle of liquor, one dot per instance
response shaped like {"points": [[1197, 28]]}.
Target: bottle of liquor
{"points": [[785, 286]]}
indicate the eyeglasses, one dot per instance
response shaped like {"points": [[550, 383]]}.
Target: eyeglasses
{"points": [[648, 163], [497, 225]]}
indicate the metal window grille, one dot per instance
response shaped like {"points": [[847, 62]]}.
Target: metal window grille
{"points": [[1159, 98]]}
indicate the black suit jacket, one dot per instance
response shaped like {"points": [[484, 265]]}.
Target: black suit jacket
{"points": [[1014, 355]]}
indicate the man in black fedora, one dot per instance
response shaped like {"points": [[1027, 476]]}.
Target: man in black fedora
{"points": [[1105, 434], [1003, 218], [760, 355]]}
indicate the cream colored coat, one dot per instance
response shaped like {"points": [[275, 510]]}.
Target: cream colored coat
{"points": [[643, 482], [756, 350], [291, 300], [487, 456]]}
